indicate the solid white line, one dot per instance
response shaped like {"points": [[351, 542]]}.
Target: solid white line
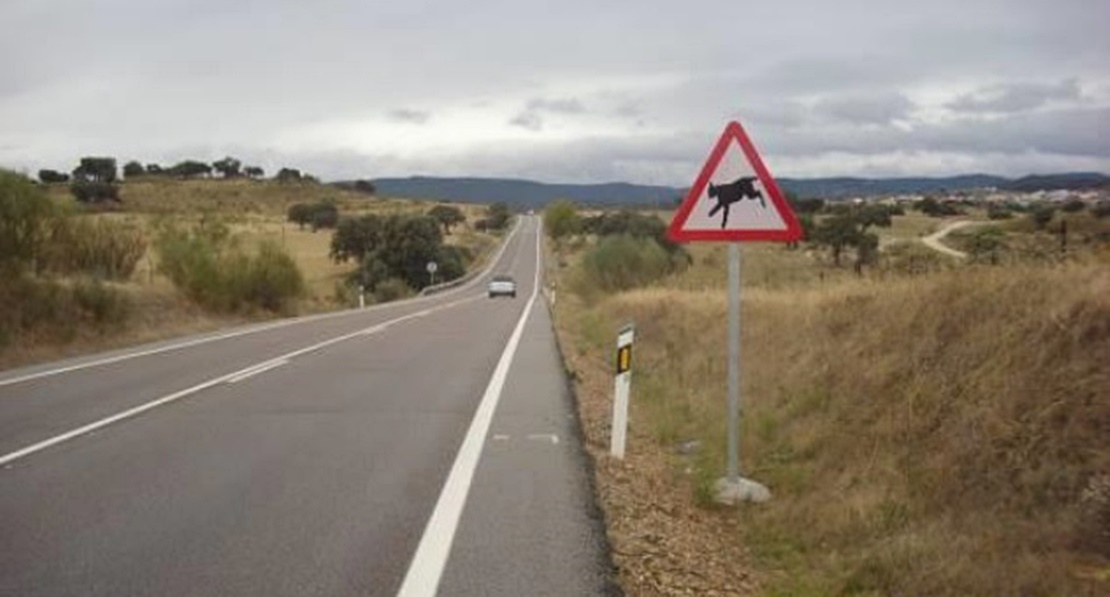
{"points": [[426, 569], [259, 369], [258, 328], [247, 371]]}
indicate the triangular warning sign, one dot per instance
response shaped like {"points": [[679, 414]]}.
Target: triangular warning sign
{"points": [[734, 198]]}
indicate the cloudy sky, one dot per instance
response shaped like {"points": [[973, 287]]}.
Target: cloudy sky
{"points": [[560, 90]]}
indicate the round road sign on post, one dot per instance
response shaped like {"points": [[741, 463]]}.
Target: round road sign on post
{"points": [[432, 267]]}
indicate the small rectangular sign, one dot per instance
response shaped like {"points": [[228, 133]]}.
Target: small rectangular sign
{"points": [[624, 359]]}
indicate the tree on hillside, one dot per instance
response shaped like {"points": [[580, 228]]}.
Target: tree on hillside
{"points": [[398, 246], [497, 216], [288, 175], [93, 180], [837, 233], [191, 169], [325, 214], [365, 186], [561, 220], [1073, 205], [53, 176], [322, 214], [848, 228], [931, 207], [95, 169], [804, 206], [254, 172], [132, 169], [154, 170], [447, 216], [354, 238], [227, 167], [300, 213]]}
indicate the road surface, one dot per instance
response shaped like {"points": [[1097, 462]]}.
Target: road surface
{"points": [[424, 446], [933, 240]]}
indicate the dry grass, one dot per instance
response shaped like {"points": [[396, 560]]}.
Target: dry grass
{"points": [[154, 313], [231, 197], [255, 212], [927, 435]]}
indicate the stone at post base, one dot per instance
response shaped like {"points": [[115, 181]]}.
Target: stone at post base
{"points": [[742, 490]]}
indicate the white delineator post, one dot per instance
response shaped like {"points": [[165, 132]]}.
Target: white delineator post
{"points": [[619, 433]]}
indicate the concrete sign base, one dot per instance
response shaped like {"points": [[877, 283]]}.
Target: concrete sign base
{"points": [[731, 492]]}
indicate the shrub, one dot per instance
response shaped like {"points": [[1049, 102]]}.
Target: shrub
{"points": [[95, 246], [269, 279], [391, 290], [999, 212], [101, 302], [212, 270], [623, 262], [1101, 209], [48, 310], [94, 192], [1041, 216], [1073, 206], [322, 214], [561, 219], [26, 215]]}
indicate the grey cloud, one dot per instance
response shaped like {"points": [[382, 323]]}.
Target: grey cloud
{"points": [[558, 106], [213, 74], [1076, 132], [410, 116], [875, 108], [532, 117], [1015, 97], [528, 119]]}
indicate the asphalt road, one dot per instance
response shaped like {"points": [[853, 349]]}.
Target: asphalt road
{"points": [[424, 446]]}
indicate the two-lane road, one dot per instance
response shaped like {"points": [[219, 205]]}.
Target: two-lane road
{"points": [[423, 445]]}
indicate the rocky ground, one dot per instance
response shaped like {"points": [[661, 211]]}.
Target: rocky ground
{"points": [[663, 542]]}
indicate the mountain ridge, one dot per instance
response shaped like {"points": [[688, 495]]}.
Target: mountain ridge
{"points": [[528, 193]]}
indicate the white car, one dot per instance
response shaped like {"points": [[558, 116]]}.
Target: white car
{"points": [[502, 286]]}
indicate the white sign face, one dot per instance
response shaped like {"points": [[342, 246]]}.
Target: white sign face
{"points": [[734, 199], [432, 267]]}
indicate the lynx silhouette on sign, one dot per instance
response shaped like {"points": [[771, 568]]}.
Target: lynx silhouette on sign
{"points": [[733, 192]]}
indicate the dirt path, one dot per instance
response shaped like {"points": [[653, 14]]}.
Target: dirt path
{"points": [[933, 240]]}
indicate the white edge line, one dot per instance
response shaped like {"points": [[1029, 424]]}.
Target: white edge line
{"points": [[246, 371], [257, 328], [426, 569]]}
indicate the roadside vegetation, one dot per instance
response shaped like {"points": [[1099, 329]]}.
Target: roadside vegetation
{"points": [[928, 426], [91, 260]]}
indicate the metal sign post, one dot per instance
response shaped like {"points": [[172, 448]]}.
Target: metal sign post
{"points": [[623, 385], [733, 488], [733, 472], [734, 199]]}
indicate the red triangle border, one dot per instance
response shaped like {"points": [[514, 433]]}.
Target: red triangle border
{"points": [[678, 233]]}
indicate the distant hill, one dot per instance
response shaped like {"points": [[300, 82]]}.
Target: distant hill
{"points": [[833, 188], [527, 193], [1071, 181], [522, 192]]}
